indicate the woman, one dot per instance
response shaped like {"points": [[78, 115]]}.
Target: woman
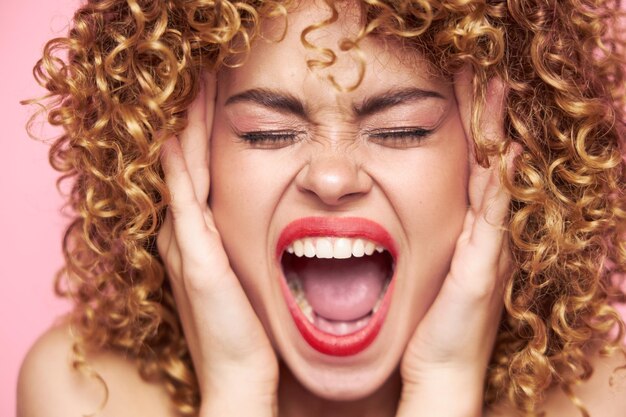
{"points": [[385, 180]]}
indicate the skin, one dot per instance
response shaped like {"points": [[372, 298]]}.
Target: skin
{"points": [[249, 358], [414, 187]]}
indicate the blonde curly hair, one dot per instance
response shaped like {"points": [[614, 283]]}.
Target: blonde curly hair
{"points": [[133, 68]]}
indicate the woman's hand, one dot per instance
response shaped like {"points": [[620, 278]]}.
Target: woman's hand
{"points": [[444, 366], [236, 367]]}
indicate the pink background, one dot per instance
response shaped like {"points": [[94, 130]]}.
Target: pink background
{"points": [[31, 224]]}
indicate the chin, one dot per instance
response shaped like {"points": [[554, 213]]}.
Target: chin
{"points": [[342, 383]]}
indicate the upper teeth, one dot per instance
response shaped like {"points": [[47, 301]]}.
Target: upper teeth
{"points": [[331, 247]]}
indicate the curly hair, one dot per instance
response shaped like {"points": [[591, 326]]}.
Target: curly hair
{"points": [[122, 80]]}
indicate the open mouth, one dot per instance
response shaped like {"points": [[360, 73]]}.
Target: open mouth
{"points": [[337, 279]]}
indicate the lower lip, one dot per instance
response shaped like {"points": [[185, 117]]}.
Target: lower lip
{"points": [[333, 345], [323, 342]]}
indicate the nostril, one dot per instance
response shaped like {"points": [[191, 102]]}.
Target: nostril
{"points": [[350, 196], [334, 180]]}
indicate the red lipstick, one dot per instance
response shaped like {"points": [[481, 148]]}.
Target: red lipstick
{"points": [[351, 227]]}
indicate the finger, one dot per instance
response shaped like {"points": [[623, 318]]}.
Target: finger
{"points": [[491, 126], [491, 123], [489, 199], [489, 221], [194, 139], [464, 93], [164, 236], [480, 176], [187, 214]]}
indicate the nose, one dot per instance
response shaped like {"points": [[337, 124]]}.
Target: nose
{"points": [[334, 178]]}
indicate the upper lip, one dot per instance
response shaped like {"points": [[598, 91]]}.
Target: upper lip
{"points": [[356, 227]]}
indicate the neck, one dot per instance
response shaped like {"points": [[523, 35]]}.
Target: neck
{"points": [[294, 400]]}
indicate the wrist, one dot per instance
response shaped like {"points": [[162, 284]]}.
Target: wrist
{"points": [[239, 394], [445, 393], [238, 400]]}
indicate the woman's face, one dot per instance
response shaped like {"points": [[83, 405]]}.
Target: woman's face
{"points": [[297, 166]]}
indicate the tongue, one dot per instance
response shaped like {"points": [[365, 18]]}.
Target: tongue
{"points": [[342, 289]]}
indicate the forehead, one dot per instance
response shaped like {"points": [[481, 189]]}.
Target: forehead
{"points": [[294, 49]]}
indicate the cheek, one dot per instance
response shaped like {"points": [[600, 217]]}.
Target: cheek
{"points": [[236, 197], [240, 214], [434, 216], [428, 189], [435, 213], [246, 186], [440, 202]]}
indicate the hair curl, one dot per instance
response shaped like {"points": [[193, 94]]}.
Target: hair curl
{"points": [[133, 68]]}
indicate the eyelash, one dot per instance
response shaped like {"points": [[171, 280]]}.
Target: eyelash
{"points": [[387, 137], [399, 137], [271, 138]]}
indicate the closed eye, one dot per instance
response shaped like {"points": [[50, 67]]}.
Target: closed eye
{"points": [[398, 137], [272, 139]]}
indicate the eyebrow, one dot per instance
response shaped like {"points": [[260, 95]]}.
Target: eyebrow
{"points": [[276, 100], [288, 103], [391, 98]]}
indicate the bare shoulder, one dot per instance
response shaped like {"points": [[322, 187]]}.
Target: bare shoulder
{"points": [[603, 395], [49, 386]]}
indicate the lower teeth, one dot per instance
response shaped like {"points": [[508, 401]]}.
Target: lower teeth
{"points": [[298, 294]]}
